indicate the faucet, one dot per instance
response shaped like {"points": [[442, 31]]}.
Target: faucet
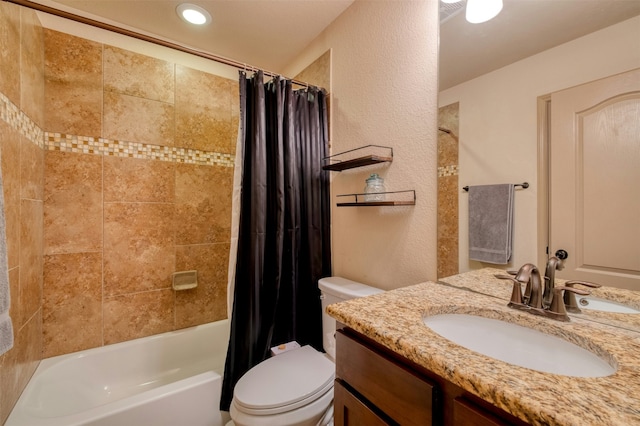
{"points": [[530, 274], [533, 299], [553, 264]]}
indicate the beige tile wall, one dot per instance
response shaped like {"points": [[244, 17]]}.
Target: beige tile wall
{"points": [[73, 71], [318, 72], [22, 165], [448, 190], [138, 186], [117, 171]]}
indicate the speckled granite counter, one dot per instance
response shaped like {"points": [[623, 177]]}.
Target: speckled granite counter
{"points": [[394, 319]]}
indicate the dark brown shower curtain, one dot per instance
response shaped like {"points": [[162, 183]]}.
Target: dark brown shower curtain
{"points": [[284, 239]]}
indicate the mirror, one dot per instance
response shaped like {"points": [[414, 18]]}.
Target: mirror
{"points": [[484, 282], [495, 72], [522, 29]]}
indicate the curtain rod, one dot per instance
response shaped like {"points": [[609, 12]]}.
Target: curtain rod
{"points": [[113, 28]]}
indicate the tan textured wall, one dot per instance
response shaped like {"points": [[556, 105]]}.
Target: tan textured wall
{"points": [[21, 112], [138, 186], [498, 122], [384, 91]]}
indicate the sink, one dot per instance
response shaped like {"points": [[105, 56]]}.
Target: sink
{"points": [[597, 304], [519, 345]]}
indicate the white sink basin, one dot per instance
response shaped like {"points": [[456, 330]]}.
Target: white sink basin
{"points": [[596, 304], [519, 345]]}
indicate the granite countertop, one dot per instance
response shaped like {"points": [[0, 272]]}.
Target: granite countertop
{"points": [[394, 319]]}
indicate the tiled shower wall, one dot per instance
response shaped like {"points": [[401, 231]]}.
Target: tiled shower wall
{"points": [[448, 190], [21, 118], [138, 178], [117, 171]]}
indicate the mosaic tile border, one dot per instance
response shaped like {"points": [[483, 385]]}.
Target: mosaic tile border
{"points": [[445, 171], [18, 120], [102, 146]]}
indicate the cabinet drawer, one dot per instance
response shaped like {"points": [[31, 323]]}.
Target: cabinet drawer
{"points": [[467, 413], [350, 411], [401, 394]]}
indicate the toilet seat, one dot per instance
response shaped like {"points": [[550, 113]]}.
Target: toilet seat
{"points": [[317, 413], [284, 382]]}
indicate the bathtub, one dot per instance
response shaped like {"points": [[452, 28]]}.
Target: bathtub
{"points": [[170, 379]]}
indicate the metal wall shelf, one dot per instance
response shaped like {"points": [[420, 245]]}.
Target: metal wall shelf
{"points": [[365, 156], [395, 198], [358, 157]]}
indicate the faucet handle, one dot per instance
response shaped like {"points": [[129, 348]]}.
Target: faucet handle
{"points": [[557, 309], [584, 283], [516, 293], [570, 298]]}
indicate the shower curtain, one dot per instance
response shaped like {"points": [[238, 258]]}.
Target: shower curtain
{"points": [[284, 238]]}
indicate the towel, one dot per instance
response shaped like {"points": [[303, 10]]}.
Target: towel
{"points": [[6, 328], [491, 223]]}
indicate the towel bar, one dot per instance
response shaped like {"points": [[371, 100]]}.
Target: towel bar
{"points": [[524, 185]]}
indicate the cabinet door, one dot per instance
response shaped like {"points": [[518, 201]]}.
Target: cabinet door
{"points": [[394, 389], [350, 411]]}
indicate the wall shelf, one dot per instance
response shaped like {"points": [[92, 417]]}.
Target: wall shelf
{"points": [[395, 198], [358, 157]]}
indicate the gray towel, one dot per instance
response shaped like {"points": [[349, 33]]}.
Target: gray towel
{"points": [[491, 223], [6, 328]]}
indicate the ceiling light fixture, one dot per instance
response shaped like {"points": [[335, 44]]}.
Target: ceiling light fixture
{"points": [[193, 14], [479, 11]]}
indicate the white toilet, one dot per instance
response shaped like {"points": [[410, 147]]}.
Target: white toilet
{"points": [[296, 387]]}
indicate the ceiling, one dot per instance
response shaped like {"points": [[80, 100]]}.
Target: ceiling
{"points": [[269, 34], [522, 29]]}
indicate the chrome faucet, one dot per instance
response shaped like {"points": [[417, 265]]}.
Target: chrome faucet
{"points": [[553, 264]]}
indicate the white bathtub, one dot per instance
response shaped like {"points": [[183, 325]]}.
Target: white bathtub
{"points": [[171, 379]]}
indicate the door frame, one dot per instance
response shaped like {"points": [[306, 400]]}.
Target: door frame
{"points": [[544, 178]]}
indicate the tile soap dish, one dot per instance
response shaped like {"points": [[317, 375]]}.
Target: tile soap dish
{"points": [[185, 280]]}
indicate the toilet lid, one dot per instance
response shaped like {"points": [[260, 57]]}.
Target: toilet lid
{"points": [[285, 381]]}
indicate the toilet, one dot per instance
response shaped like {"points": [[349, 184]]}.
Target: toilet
{"points": [[296, 387]]}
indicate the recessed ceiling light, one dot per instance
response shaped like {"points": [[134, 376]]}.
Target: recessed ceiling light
{"points": [[193, 14], [479, 11]]}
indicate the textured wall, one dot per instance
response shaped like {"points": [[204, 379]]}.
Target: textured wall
{"points": [[384, 91], [498, 122], [21, 119], [138, 185]]}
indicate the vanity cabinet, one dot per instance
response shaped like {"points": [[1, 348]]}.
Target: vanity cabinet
{"points": [[375, 386]]}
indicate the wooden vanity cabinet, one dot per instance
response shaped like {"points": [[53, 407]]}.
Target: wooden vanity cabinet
{"points": [[374, 386]]}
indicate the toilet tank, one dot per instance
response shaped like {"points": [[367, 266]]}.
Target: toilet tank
{"points": [[334, 290]]}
